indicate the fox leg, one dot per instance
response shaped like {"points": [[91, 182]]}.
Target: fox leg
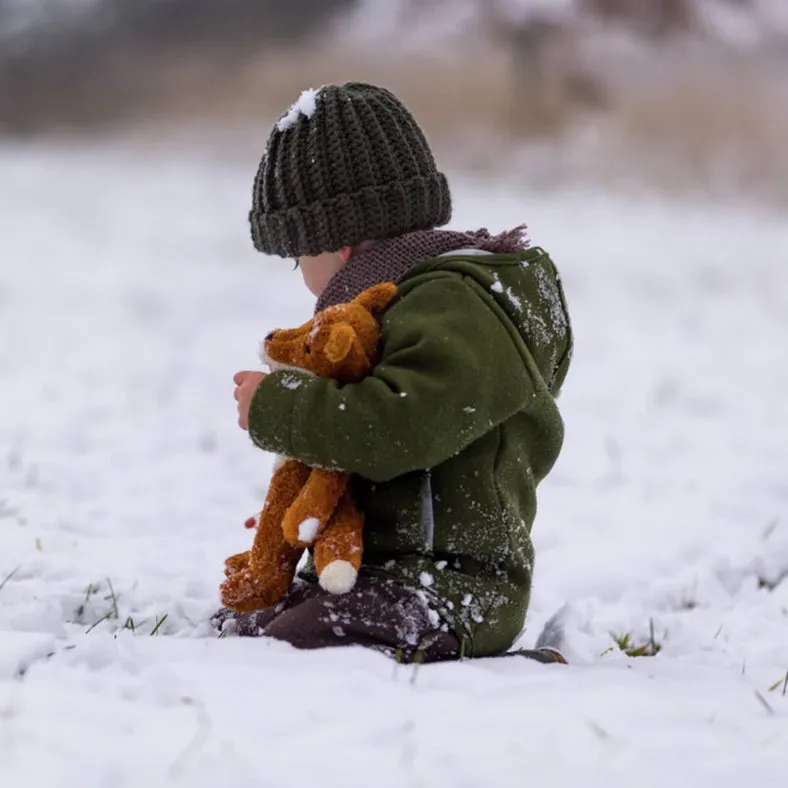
{"points": [[236, 563], [262, 577], [339, 548], [314, 506]]}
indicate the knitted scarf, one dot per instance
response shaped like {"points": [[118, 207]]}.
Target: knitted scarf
{"points": [[390, 260]]}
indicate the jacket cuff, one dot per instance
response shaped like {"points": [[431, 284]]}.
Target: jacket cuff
{"points": [[271, 409]]}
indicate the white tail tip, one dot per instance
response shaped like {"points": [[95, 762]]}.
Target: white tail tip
{"points": [[338, 577]]}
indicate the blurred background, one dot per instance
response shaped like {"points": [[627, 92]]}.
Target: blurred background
{"points": [[668, 94], [644, 144]]}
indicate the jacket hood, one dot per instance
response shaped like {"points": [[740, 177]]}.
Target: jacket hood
{"points": [[526, 289]]}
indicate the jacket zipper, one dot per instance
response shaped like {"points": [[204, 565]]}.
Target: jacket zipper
{"points": [[427, 512]]}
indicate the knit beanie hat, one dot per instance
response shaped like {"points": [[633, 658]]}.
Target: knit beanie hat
{"points": [[347, 163]]}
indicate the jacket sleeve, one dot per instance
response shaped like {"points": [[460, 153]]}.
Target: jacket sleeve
{"points": [[449, 372]]}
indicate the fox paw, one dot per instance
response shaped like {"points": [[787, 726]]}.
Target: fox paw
{"points": [[236, 563], [244, 593], [338, 577]]}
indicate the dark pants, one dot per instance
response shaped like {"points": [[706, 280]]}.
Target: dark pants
{"points": [[377, 613]]}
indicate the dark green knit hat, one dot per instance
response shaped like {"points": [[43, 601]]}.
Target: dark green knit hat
{"points": [[348, 163]]}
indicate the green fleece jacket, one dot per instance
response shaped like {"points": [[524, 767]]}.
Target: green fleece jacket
{"points": [[450, 435]]}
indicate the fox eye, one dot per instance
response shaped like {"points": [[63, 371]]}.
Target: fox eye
{"points": [[307, 349]]}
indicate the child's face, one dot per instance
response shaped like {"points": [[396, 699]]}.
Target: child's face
{"points": [[318, 270]]}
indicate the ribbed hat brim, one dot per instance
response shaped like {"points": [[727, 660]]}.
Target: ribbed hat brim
{"points": [[374, 213]]}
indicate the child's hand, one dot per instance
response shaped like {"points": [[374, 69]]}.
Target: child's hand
{"points": [[246, 384]]}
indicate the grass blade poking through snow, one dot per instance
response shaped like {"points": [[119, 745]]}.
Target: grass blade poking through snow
{"points": [[159, 622], [8, 577], [784, 681], [626, 644], [765, 703], [113, 598], [80, 611], [105, 617]]}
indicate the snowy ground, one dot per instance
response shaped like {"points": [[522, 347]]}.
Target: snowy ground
{"points": [[129, 294]]}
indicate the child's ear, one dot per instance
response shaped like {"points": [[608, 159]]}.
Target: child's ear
{"points": [[377, 298], [340, 343]]}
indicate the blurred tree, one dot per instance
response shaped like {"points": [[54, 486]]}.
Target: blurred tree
{"points": [[240, 23], [549, 81], [656, 19], [98, 60]]}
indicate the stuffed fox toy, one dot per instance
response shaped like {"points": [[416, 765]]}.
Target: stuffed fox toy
{"points": [[310, 507]]}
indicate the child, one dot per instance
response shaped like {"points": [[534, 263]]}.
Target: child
{"points": [[452, 432]]}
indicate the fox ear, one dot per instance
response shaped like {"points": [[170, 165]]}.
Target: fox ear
{"points": [[340, 343], [377, 298]]}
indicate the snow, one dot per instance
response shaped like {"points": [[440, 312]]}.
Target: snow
{"points": [[128, 299], [514, 299], [307, 531], [736, 25], [290, 382], [306, 106]]}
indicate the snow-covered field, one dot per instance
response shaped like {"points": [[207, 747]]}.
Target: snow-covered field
{"points": [[130, 294]]}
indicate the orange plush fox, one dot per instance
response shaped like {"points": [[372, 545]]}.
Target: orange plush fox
{"points": [[308, 507]]}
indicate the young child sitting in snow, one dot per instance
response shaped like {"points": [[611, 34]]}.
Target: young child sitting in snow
{"points": [[450, 435]]}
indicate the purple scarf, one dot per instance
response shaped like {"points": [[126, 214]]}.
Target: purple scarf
{"points": [[390, 260]]}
